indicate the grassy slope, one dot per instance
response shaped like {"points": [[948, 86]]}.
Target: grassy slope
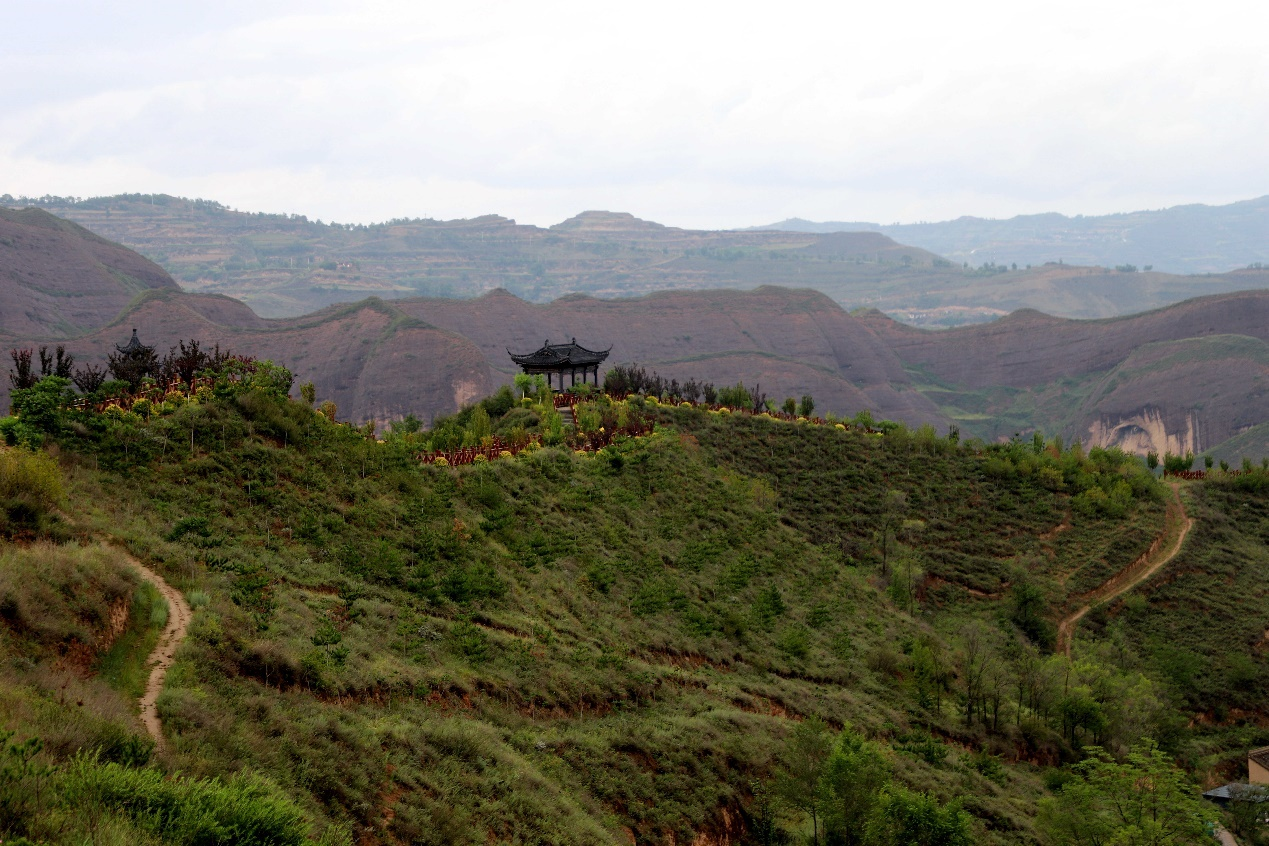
{"points": [[1202, 623], [578, 649]]}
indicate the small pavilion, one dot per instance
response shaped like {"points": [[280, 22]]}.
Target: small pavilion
{"points": [[563, 361]]}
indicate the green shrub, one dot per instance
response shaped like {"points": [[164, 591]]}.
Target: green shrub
{"points": [[30, 477]]}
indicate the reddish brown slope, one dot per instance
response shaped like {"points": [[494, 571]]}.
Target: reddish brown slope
{"points": [[57, 279], [792, 342], [1028, 348], [1182, 378], [371, 359]]}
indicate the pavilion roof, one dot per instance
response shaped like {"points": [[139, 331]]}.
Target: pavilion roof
{"points": [[132, 345], [561, 356]]}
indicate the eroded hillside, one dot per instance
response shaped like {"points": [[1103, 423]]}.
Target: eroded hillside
{"points": [[1184, 378]]}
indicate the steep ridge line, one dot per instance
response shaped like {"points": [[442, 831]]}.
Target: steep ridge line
{"points": [[179, 615], [1175, 523]]}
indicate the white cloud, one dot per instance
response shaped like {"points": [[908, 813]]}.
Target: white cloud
{"points": [[702, 114]]}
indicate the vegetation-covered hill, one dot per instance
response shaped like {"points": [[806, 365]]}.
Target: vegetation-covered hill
{"points": [[1182, 239], [286, 265], [675, 637]]}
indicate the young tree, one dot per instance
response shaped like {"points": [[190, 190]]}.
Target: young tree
{"points": [[21, 376], [807, 406], [978, 660], [89, 378], [1145, 799], [790, 406], [184, 363], [524, 383], [893, 509], [803, 766], [57, 363], [903, 818], [853, 777]]}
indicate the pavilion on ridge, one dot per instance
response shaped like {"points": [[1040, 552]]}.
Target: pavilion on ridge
{"points": [[560, 361]]}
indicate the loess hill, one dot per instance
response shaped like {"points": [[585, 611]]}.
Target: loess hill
{"points": [[58, 280], [287, 265], [621, 646], [1183, 378]]}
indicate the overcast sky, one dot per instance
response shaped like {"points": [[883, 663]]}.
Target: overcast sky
{"points": [[708, 115]]}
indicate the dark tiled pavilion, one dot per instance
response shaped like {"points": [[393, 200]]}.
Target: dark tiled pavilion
{"points": [[559, 362]]}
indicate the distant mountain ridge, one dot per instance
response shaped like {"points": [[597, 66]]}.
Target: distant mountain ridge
{"points": [[1193, 238], [1186, 377], [287, 266]]}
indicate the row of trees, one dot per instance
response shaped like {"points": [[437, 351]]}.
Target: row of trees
{"points": [[633, 379], [45, 404], [128, 368], [842, 785]]}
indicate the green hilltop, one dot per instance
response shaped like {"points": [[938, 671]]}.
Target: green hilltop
{"points": [[732, 628]]}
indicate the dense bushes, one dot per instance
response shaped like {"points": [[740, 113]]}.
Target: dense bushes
{"points": [[88, 797], [198, 812]]}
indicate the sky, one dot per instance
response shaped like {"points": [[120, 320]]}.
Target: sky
{"points": [[697, 114]]}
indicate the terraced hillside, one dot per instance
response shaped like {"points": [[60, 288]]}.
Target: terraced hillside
{"points": [[287, 265]]}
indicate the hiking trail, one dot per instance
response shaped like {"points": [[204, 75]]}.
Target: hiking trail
{"points": [[1176, 525], [164, 652]]}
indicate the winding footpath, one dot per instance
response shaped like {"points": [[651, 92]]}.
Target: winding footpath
{"points": [[178, 619], [1176, 524]]}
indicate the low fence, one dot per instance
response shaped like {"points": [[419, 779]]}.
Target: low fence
{"points": [[1200, 475]]}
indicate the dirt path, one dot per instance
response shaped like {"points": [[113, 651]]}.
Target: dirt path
{"points": [[1176, 525], [178, 619]]}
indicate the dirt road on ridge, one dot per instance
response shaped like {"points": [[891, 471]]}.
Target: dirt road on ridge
{"points": [[1176, 525]]}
